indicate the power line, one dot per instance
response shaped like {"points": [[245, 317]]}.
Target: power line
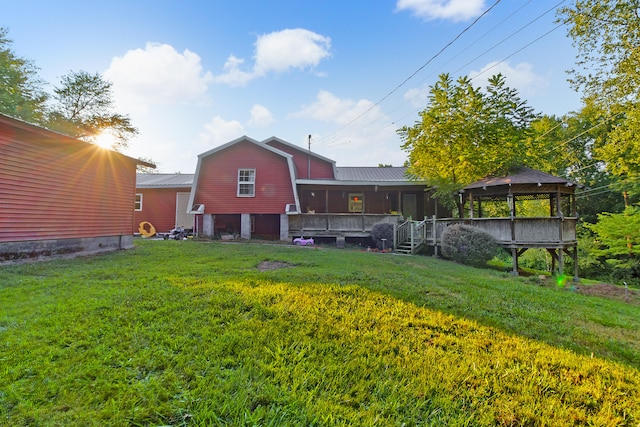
{"points": [[482, 37], [512, 35], [420, 68], [582, 196], [442, 50]]}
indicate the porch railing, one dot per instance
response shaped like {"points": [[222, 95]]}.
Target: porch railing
{"points": [[529, 231], [542, 232], [328, 223]]}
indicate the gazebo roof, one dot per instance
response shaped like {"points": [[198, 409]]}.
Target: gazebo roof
{"points": [[523, 180]]}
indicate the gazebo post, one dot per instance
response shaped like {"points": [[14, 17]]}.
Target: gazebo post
{"points": [[560, 262], [576, 278], [514, 256]]}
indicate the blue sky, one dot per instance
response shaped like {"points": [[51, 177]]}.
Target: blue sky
{"points": [[193, 75]]}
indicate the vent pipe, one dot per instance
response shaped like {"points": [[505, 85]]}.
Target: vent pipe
{"points": [[309, 160]]}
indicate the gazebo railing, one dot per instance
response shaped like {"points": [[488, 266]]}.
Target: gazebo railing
{"points": [[532, 231]]}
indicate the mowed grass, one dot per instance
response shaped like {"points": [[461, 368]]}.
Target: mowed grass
{"points": [[189, 333]]}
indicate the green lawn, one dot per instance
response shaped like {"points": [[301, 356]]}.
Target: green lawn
{"points": [[190, 333]]}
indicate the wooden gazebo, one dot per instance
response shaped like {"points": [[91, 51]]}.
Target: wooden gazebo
{"points": [[555, 233]]}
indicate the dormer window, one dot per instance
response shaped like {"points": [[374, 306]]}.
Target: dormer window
{"points": [[246, 182]]}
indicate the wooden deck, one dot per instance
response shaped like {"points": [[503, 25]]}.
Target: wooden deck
{"points": [[337, 224], [540, 232], [555, 234]]}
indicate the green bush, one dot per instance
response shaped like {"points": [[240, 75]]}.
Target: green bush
{"points": [[382, 230], [468, 245]]}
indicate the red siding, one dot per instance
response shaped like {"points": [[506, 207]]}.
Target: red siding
{"points": [[218, 180], [56, 189], [320, 169], [158, 207]]}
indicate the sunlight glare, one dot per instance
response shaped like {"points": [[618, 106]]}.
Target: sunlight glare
{"points": [[105, 139]]}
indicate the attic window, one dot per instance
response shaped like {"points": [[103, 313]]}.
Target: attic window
{"points": [[246, 182]]}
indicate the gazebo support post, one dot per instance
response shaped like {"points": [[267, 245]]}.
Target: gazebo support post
{"points": [[554, 258], [560, 262], [573, 253], [556, 255], [514, 256]]}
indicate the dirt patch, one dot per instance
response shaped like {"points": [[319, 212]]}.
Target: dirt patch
{"points": [[272, 265], [607, 290]]}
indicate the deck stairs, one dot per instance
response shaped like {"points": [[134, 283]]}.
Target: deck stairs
{"points": [[411, 236]]}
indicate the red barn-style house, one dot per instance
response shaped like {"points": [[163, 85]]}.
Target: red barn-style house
{"points": [[277, 190], [59, 195]]}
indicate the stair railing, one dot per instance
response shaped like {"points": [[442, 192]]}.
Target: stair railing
{"points": [[403, 231], [413, 232]]}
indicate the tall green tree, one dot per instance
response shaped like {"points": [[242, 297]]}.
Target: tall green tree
{"points": [[466, 133], [441, 145], [606, 34], [21, 91], [541, 146], [618, 239], [84, 108], [585, 133]]}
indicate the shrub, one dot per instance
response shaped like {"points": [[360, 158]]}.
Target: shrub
{"points": [[382, 230], [468, 245]]}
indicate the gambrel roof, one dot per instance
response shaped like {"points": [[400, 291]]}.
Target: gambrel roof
{"points": [[246, 140]]}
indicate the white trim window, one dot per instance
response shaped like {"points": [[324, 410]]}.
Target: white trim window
{"points": [[137, 204], [246, 182]]}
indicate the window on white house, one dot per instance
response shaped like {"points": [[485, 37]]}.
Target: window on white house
{"points": [[246, 182], [138, 202]]}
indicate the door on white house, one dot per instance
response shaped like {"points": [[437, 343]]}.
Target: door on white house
{"points": [[183, 219]]}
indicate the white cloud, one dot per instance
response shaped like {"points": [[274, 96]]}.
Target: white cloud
{"points": [[278, 52], [233, 75], [327, 108], [365, 135], [454, 10], [417, 97], [286, 49], [157, 74], [521, 77], [260, 116], [219, 131]]}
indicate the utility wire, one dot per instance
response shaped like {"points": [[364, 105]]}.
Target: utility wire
{"points": [[482, 37], [556, 147], [477, 57], [420, 68]]}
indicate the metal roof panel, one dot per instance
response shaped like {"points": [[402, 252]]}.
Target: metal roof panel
{"points": [[372, 174], [168, 180]]}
